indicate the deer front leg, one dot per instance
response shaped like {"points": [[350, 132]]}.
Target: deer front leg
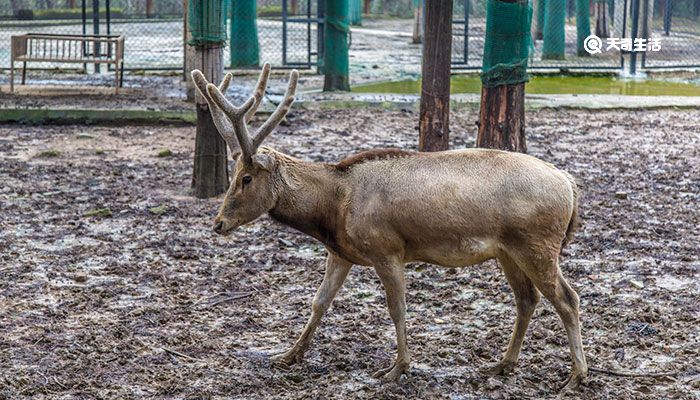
{"points": [[336, 271], [393, 280]]}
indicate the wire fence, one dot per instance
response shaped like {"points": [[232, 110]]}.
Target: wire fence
{"points": [[288, 31]]}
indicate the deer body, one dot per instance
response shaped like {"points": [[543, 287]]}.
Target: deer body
{"points": [[453, 208], [384, 208]]}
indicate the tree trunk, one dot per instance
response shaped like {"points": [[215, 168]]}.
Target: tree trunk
{"points": [[71, 4], [368, 6], [602, 20], [15, 6], [149, 8], [210, 174], [418, 22], [502, 118], [294, 7], [335, 37], [506, 50], [189, 55], [434, 125]]}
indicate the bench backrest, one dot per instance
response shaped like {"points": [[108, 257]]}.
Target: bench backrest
{"points": [[67, 48]]}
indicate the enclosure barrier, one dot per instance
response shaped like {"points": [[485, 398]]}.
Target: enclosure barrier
{"points": [[83, 49]]}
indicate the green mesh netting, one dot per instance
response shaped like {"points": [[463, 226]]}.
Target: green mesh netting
{"points": [[553, 33], [507, 43], [335, 57], [583, 25], [356, 12], [207, 21], [245, 50]]}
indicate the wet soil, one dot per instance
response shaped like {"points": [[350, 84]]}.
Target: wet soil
{"points": [[113, 285]]}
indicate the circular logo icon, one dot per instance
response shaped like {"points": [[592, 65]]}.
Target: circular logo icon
{"points": [[593, 44]]}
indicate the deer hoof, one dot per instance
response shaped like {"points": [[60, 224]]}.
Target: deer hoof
{"points": [[391, 374], [288, 358], [502, 367], [572, 383]]}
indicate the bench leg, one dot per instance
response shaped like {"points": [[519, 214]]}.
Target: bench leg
{"points": [[12, 76], [24, 72], [121, 75]]}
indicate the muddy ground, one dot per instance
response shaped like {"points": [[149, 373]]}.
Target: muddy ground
{"points": [[144, 301]]}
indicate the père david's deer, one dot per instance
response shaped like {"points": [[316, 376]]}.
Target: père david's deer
{"points": [[385, 208]]}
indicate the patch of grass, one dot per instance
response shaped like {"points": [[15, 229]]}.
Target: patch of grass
{"points": [[165, 153], [159, 210], [99, 152], [49, 153], [99, 212]]}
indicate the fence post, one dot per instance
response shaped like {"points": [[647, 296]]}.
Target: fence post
{"points": [[667, 17], [635, 31]]}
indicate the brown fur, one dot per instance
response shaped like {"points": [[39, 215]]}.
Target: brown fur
{"points": [[372, 155]]}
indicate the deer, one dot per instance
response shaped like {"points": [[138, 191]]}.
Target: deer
{"points": [[385, 208]]}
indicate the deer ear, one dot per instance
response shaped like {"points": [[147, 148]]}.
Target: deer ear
{"points": [[264, 161]]}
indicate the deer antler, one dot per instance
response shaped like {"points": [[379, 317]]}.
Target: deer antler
{"points": [[239, 116], [223, 124]]}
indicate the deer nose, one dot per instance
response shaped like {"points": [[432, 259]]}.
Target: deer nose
{"points": [[219, 227]]}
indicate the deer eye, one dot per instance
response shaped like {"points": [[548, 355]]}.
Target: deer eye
{"points": [[247, 179]]}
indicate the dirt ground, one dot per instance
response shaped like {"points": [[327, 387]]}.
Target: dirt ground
{"points": [[148, 302]]}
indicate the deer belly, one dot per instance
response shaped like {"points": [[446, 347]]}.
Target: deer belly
{"points": [[458, 253]]}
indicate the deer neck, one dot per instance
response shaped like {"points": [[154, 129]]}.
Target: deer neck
{"points": [[309, 200]]}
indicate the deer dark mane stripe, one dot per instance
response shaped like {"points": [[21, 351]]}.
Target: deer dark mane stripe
{"points": [[372, 155]]}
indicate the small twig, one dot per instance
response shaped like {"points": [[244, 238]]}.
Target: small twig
{"points": [[177, 353], [633, 374], [225, 299]]}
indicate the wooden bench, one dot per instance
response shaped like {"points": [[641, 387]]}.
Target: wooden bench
{"points": [[82, 49]]}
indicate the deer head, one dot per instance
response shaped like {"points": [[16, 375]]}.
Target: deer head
{"points": [[251, 191]]}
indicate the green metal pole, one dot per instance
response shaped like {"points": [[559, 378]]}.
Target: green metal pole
{"points": [[355, 12], [583, 25], [245, 50], [335, 57], [554, 39]]}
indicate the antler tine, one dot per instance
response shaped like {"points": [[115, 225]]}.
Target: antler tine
{"points": [[280, 112], [222, 122], [223, 86], [237, 116], [259, 91]]}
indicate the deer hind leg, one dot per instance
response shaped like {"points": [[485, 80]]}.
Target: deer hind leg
{"points": [[336, 271], [545, 274], [394, 282], [526, 299]]}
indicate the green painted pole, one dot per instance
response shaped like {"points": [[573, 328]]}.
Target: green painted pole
{"points": [[355, 12], [539, 21], [335, 56], [583, 25], [554, 39], [245, 50]]}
